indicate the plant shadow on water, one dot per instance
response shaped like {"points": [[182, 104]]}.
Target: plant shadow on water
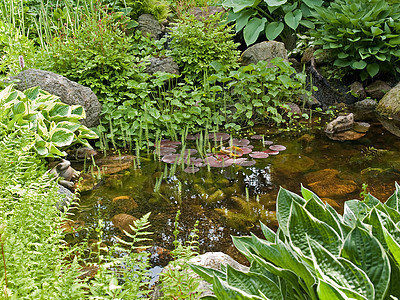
{"points": [[232, 200]]}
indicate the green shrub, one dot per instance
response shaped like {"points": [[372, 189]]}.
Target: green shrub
{"points": [[55, 125], [159, 9], [361, 35], [317, 253], [197, 43]]}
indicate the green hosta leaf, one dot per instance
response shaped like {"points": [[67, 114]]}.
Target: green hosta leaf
{"points": [[54, 151], [86, 133], [275, 2], [373, 69], [340, 271], [327, 291], [392, 244], [302, 225], [307, 23], [376, 31], [32, 93], [371, 201], [308, 194], [252, 30], [354, 210], [273, 30], [71, 126], [243, 19], [342, 63], [18, 108], [78, 111], [393, 200], [269, 234], [283, 205], [59, 110], [292, 19], [253, 283], [359, 65], [223, 291], [313, 3], [367, 253], [207, 273], [62, 137], [238, 5]]}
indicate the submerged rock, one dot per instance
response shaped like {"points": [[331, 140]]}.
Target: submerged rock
{"points": [[292, 163], [124, 203], [123, 222]]}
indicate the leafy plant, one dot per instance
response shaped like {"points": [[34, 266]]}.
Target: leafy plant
{"points": [[54, 124], [176, 281], [317, 253], [270, 18], [258, 93], [360, 35], [159, 9], [197, 43]]}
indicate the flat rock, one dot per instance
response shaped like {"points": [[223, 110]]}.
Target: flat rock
{"points": [[348, 135], [265, 51], [292, 163], [124, 203], [122, 222], [114, 164], [162, 64], [317, 175]]}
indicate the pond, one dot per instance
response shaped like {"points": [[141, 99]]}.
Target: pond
{"points": [[232, 200]]}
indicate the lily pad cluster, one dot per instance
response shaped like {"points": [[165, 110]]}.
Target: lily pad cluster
{"points": [[229, 151]]}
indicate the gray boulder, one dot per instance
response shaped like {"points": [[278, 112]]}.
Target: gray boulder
{"points": [[377, 89], [149, 25], [209, 260], [389, 105], [162, 64], [263, 51], [358, 89], [70, 92]]}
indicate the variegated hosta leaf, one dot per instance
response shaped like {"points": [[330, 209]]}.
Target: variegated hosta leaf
{"points": [[303, 225], [367, 253], [283, 205], [394, 200], [223, 291], [328, 291], [340, 271]]}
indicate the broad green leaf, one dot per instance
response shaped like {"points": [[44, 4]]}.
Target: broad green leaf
{"points": [[252, 30], [68, 125], [354, 210], [207, 273], [283, 205], [376, 31], [61, 137], [318, 210], [242, 4], [393, 200], [32, 93], [253, 283], [307, 23], [340, 271], [392, 244], [269, 234], [286, 80], [308, 194], [243, 19], [19, 108], [327, 291], [78, 111], [275, 2], [359, 65], [59, 110], [342, 62], [365, 251], [54, 151], [273, 30], [223, 291], [302, 225], [371, 201], [292, 19]]}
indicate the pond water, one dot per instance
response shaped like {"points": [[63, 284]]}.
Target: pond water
{"points": [[232, 200]]}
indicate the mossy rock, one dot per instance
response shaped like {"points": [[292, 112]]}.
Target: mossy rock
{"points": [[389, 105], [292, 164]]}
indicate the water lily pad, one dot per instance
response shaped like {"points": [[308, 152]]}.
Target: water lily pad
{"points": [[192, 152], [219, 136], [216, 163], [197, 162], [246, 150], [240, 143], [277, 148], [256, 137], [168, 143], [171, 158], [248, 163], [165, 150], [268, 143], [258, 154], [191, 170], [271, 152]]}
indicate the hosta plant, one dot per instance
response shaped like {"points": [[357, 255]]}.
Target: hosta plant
{"points": [[55, 124], [361, 35], [317, 253], [270, 18]]}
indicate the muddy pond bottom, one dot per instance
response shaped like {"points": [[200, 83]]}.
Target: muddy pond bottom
{"points": [[231, 200]]}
